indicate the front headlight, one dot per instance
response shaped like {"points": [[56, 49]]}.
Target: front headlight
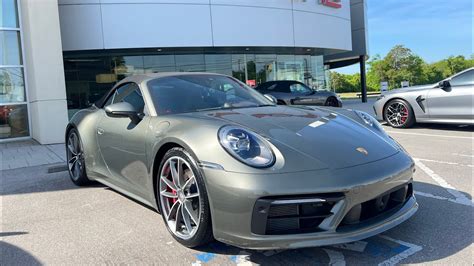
{"points": [[246, 146], [380, 97], [370, 121], [373, 123]]}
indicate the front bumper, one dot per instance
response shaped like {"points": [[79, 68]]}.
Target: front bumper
{"points": [[378, 109], [233, 197]]}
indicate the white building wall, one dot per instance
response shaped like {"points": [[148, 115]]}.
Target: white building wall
{"points": [[109, 24], [44, 70]]}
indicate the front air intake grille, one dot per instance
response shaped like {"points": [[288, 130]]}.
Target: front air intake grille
{"points": [[366, 211], [292, 215]]}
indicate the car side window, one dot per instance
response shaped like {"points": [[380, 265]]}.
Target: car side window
{"points": [[129, 93], [299, 88], [466, 78]]}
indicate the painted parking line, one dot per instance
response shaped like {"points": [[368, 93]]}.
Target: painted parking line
{"points": [[412, 249], [336, 258], [459, 197], [428, 195], [444, 162], [463, 155], [428, 135]]}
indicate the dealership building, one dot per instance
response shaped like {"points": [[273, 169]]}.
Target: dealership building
{"points": [[59, 56]]}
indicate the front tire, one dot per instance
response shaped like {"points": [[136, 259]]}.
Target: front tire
{"points": [[331, 101], [75, 159], [182, 199], [399, 114]]}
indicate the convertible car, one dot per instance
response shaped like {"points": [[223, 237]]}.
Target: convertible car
{"points": [[220, 161], [450, 102]]}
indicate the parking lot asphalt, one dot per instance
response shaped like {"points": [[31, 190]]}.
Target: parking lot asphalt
{"points": [[46, 219]]}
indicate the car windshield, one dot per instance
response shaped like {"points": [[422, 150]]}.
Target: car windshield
{"points": [[201, 92]]}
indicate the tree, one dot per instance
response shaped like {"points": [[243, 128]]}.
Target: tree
{"points": [[401, 64]]}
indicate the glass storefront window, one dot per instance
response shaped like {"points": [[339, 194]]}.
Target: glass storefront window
{"points": [[265, 67], [88, 78], [12, 87], [10, 48], [9, 14], [13, 121], [190, 63], [218, 63], [159, 63]]}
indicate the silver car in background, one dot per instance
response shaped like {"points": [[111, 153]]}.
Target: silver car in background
{"points": [[449, 101]]}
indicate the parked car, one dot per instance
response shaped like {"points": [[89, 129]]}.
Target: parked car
{"points": [[449, 101], [290, 92], [219, 160]]}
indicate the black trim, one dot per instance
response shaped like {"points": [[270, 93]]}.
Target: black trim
{"points": [[420, 100]]}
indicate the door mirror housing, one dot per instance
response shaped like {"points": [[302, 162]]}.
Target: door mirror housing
{"points": [[271, 98], [444, 84], [123, 109]]}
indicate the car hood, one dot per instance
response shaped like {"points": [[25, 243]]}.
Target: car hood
{"points": [[410, 89], [324, 135]]}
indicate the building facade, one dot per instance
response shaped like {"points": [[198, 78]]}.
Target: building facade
{"points": [[103, 41]]}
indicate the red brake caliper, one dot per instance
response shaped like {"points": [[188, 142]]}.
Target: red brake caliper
{"points": [[405, 114], [172, 201]]}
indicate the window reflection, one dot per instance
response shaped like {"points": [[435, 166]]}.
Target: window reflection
{"points": [[88, 78], [12, 88], [13, 121], [9, 14], [219, 63], [190, 62], [10, 48], [159, 63]]}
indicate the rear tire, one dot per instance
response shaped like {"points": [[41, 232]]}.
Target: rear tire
{"points": [[75, 159], [399, 114], [280, 102], [182, 199]]}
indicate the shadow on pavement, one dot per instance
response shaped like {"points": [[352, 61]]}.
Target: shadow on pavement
{"points": [[13, 255]]}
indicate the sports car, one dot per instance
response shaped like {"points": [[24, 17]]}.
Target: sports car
{"points": [[294, 92], [220, 161], [449, 102]]}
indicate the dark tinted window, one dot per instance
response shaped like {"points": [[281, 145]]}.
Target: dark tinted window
{"points": [[299, 88], [129, 93], [191, 93], [465, 78]]}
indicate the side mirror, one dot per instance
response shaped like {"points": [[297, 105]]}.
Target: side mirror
{"points": [[271, 98], [444, 84], [123, 109]]}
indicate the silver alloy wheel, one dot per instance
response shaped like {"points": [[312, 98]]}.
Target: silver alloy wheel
{"points": [[74, 156], [397, 114], [179, 197]]}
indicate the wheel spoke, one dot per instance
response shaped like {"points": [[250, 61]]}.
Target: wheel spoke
{"points": [[173, 209], [71, 149], [169, 183], [189, 209], [72, 163], [179, 217], [168, 194], [193, 195], [189, 182], [175, 173], [186, 219]]}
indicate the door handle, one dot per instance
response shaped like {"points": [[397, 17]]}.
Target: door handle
{"points": [[100, 131]]}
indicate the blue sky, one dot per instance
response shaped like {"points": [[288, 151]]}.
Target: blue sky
{"points": [[433, 29]]}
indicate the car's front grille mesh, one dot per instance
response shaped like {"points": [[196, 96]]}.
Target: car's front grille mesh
{"points": [[296, 215]]}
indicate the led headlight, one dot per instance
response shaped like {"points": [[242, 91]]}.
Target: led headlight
{"points": [[246, 146], [369, 120]]}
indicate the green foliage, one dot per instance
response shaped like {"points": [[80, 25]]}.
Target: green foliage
{"points": [[401, 64]]}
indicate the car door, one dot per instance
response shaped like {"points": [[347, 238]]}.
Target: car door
{"points": [[303, 95], [454, 101], [122, 142]]}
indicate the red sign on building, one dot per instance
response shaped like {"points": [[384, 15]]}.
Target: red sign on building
{"points": [[332, 3]]}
